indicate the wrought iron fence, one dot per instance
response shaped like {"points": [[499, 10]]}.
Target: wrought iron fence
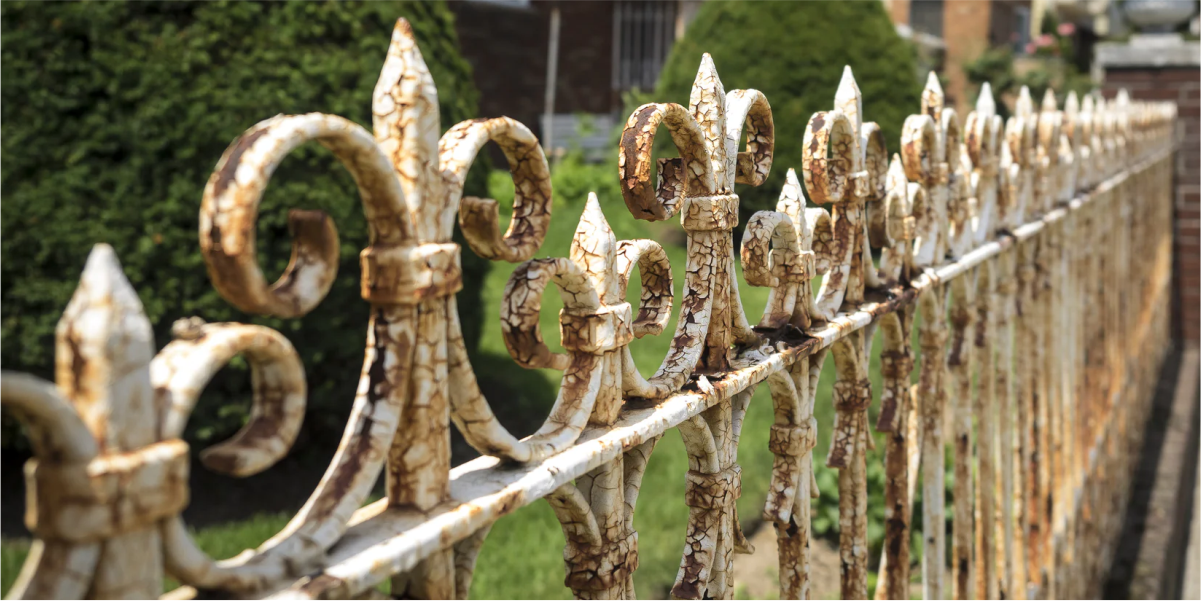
{"points": [[1037, 250]]}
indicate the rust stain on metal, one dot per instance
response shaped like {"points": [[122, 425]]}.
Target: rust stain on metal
{"points": [[1023, 231]]}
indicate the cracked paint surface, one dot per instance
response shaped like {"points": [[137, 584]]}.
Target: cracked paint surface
{"points": [[1044, 225]]}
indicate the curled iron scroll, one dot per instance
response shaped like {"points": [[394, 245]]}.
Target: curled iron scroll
{"points": [[479, 217], [229, 213], [828, 179], [690, 173], [181, 370], [749, 108], [654, 307], [519, 318]]}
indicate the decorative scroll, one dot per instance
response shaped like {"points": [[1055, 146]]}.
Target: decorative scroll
{"points": [[1021, 234]]}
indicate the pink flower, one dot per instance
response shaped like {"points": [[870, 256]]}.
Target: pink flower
{"points": [[1030, 48], [1066, 29], [1045, 40]]}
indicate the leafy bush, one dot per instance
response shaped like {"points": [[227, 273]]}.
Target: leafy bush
{"points": [[114, 115], [1052, 62], [794, 53]]}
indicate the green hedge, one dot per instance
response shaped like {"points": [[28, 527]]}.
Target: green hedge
{"points": [[114, 115], [794, 53]]}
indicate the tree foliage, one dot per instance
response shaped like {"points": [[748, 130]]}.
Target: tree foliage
{"points": [[794, 52], [114, 115]]}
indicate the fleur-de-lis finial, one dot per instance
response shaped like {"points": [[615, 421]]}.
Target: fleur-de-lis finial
{"points": [[849, 99], [842, 179], [404, 115], [1071, 128], [1049, 104], [102, 481], [933, 98], [707, 103], [985, 105], [594, 248], [1024, 107], [932, 150], [984, 134], [848, 179], [894, 226], [1050, 174]]}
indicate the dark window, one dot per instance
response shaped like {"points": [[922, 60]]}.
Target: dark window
{"points": [[1021, 29], [925, 16], [1010, 26], [643, 33]]}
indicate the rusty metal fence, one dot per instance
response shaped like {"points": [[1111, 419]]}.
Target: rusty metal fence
{"points": [[1037, 250]]}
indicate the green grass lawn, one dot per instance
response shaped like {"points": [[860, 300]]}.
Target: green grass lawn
{"points": [[522, 557]]}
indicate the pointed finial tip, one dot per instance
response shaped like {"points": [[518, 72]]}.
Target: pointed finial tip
{"points": [[984, 102], [104, 277], [403, 26], [593, 220], [1049, 101], [592, 204], [932, 82], [847, 86], [706, 71], [1025, 104], [101, 255], [792, 186]]}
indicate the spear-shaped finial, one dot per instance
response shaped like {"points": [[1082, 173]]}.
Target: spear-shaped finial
{"points": [[849, 99], [1050, 104], [1072, 104], [1071, 117], [707, 103], [707, 81], [1123, 99], [985, 105], [933, 98], [594, 249], [896, 174], [1025, 104], [404, 115], [105, 345], [792, 198]]}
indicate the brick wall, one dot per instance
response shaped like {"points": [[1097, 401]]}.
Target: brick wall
{"points": [[898, 11], [966, 28], [1182, 85]]}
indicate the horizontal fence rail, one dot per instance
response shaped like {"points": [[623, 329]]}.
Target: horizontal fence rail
{"points": [[1037, 250]]}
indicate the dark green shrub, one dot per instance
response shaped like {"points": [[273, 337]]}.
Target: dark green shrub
{"points": [[114, 115], [794, 52]]}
